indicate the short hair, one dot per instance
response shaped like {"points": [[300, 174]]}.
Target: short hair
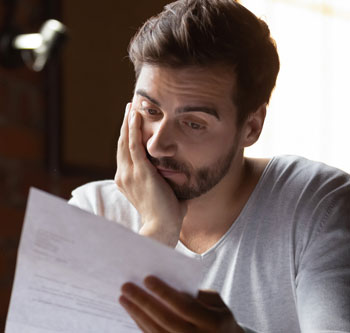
{"points": [[212, 32]]}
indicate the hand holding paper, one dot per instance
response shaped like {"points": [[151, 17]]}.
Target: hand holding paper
{"points": [[176, 311]]}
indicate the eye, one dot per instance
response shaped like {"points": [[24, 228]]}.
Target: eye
{"points": [[147, 109], [152, 112], [194, 126]]}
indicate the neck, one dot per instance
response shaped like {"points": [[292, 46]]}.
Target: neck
{"points": [[214, 209], [212, 214]]}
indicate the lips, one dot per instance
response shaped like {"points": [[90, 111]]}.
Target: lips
{"points": [[168, 172]]}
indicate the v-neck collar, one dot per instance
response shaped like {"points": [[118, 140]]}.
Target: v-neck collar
{"points": [[239, 220]]}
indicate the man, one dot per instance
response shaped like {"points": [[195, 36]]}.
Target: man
{"points": [[273, 235]]}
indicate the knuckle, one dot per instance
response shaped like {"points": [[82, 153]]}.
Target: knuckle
{"points": [[127, 180], [132, 146], [123, 179], [118, 182], [138, 172], [121, 142]]}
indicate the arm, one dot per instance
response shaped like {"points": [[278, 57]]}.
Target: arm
{"points": [[323, 278]]}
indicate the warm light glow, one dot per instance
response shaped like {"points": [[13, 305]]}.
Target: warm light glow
{"points": [[28, 41], [309, 113], [50, 28], [50, 31], [55, 25]]}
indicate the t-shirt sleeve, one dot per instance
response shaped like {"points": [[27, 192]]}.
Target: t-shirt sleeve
{"points": [[103, 198], [87, 197], [323, 275]]}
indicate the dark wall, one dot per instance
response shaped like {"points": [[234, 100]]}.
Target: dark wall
{"points": [[98, 77], [89, 89]]}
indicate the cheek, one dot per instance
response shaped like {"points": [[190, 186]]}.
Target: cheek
{"points": [[208, 151], [199, 154]]}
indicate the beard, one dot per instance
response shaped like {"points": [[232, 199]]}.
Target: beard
{"points": [[199, 181]]}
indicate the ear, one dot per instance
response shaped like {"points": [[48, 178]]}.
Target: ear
{"points": [[253, 126]]}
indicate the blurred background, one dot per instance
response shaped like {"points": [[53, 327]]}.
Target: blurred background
{"points": [[59, 126], [309, 113]]}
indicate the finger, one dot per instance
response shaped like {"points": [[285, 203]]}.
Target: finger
{"points": [[142, 320], [126, 116], [137, 151], [123, 141], [211, 298], [124, 131], [181, 303], [155, 310]]}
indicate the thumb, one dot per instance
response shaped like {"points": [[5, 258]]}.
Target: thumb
{"points": [[211, 298]]}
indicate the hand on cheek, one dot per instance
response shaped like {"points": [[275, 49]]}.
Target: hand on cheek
{"points": [[162, 214]]}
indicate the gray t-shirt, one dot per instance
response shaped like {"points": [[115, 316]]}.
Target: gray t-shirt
{"points": [[284, 265]]}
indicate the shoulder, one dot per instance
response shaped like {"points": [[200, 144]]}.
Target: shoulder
{"points": [[307, 185], [298, 173], [314, 195], [104, 199], [309, 193]]}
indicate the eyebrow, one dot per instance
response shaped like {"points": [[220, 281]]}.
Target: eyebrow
{"points": [[144, 94], [206, 109]]}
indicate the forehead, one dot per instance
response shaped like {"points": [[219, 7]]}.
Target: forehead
{"points": [[190, 84]]}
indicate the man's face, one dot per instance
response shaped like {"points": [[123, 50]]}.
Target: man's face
{"points": [[188, 125]]}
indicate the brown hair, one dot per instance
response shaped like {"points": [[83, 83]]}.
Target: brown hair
{"points": [[212, 32]]}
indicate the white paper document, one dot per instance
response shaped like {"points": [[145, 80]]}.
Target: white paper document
{"points": [[71, 265]]}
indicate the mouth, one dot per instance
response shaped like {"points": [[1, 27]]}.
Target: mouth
{"points": [[168, 173]]}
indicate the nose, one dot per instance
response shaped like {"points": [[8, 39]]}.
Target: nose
{"points": [[161, 140]]}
